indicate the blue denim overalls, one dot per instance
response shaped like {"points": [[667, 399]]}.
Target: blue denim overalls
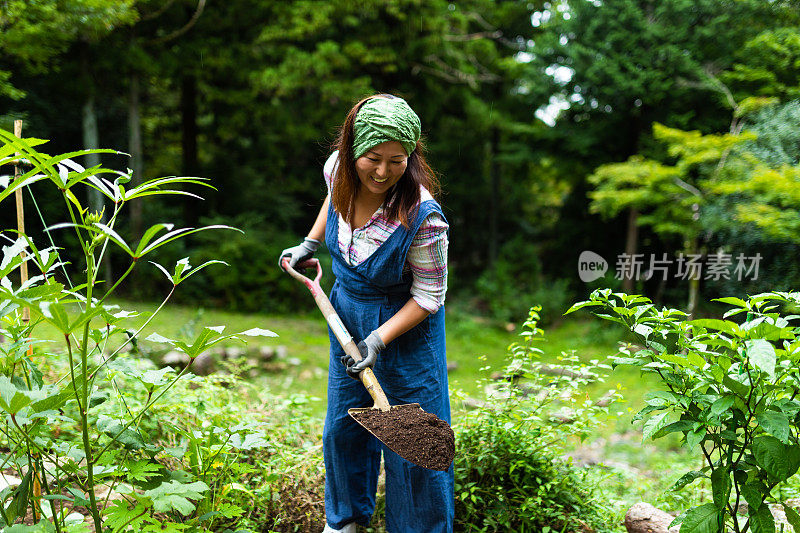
{"points": [[412, 368]]}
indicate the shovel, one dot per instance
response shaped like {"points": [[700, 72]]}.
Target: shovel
{"points": [[419, 437]]}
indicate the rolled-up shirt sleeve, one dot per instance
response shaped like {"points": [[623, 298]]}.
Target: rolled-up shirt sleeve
{"points": [[427, 259]]}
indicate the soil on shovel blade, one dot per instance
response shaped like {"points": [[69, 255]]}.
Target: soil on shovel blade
{"points": [[417, 436]]}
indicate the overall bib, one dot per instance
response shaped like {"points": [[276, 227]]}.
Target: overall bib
{"points": [[411, 369]]}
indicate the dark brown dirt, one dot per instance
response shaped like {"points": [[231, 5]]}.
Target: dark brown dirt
{"points": [[422, 438]]}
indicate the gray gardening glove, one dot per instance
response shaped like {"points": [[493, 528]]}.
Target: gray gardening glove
{"points": [[369, 348], [299, 253]]}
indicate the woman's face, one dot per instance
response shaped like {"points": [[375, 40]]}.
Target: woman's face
{"points": [[381, 167]]}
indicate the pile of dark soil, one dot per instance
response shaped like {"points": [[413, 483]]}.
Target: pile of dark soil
{"points": [[419, 437]]}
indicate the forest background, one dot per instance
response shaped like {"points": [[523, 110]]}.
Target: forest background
{"points": [[616, 126]]}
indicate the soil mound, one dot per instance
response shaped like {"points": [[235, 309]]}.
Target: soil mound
{"points": [[419, 437]]}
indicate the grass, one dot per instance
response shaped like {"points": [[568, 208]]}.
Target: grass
{"points": [[477, 346], [474, 344]]}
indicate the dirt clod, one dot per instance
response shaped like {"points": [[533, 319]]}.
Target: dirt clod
{"points": [[419, 437]]}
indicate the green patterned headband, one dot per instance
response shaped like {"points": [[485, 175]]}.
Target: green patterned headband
{"points": [[385, 119]]}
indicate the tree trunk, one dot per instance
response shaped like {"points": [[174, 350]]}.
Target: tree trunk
{"points": [[492, 176], [91, 140], [135, 150], [91, 136], [694, 284], [631, 245], [189, 142]]}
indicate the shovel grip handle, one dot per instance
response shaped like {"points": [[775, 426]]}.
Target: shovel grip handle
{"points": [[339, 330]]}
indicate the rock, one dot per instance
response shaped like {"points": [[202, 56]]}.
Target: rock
{"points": [[252, 367], [451, 366], [510, 327], [234, 352], [281, 352], [203, 364], [555, 370], [473, 403], [175, 359], [778, 513], [267, 353], [7, 480], [644, 518], [294, 361]]}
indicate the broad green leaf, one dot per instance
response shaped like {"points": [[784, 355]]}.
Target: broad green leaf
{"points": [[654, 424], [156, 377], [155, 337], [753, 494], [675, 359], [686, 479], [778, 460], [731, 300], [117, 431], [721, 405], [736, 386], [680, 425], [19, 503], [114, 236], [776, 424], [701, 519], [761, 354], [43, 526], [581, 305], [149, 234], [56, 314], [761, 520], [715, 324], [258, 332], [617, 361], [693, 438], [720, 486], [11, 398], [176, 496], [792, 517], [120, 516], [142, 470]]}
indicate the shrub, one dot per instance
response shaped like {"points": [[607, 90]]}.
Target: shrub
{"points": [[508, 467], [76, 437], [729, 389]]}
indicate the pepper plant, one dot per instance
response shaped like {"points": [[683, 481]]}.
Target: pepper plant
{"points": [[730, 388], [69, 434]]}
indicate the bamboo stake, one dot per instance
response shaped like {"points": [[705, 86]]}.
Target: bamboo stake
{"points": [[26, 312]]}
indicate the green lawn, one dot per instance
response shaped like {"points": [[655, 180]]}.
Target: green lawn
{"points": [[473, 344], [478, 347]]}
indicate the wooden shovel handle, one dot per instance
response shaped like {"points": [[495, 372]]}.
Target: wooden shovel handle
{"points": [[342, 335]]}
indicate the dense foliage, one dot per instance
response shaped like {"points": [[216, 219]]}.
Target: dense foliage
{"points": [[509, 474], [249, 94], [729, 388]]}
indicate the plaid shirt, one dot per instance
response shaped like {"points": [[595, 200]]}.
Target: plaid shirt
{"points": [[427, 256]]}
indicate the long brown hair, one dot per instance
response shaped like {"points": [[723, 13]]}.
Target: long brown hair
{"points": [[402, 199]]}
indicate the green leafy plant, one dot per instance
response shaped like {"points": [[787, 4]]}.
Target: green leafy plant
{"points": [[68, 435], [509, 476], [729, 389]]}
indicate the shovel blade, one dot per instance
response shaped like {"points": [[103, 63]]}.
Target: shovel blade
{"points": [[416, 436]]}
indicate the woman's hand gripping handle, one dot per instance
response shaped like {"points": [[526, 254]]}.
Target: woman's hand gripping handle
{"points": [[342, 335]]}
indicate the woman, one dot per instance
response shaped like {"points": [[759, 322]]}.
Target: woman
{"points": [[388, 240]]}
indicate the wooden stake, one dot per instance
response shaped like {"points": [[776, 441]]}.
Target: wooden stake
{"points": [[26, 312]]}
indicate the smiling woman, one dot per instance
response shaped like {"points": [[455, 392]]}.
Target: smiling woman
{"points": [[388, 240]]}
